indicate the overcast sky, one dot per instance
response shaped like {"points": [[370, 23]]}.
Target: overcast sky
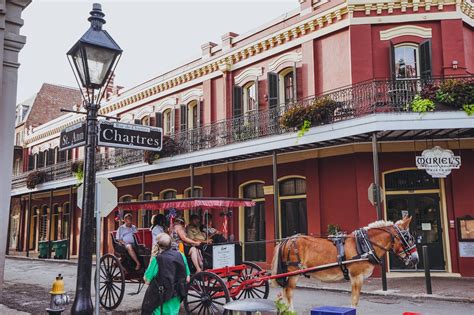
{"points": [[155, 35]]}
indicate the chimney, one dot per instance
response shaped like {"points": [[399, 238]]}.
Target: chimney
{"points": [[227, 40], [207, 49]]}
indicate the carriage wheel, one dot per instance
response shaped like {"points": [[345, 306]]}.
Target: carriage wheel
{"points": [[207, 294], [251, 272], [112, 282]]}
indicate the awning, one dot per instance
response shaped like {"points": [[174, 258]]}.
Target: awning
{"points": [[184, 204]]}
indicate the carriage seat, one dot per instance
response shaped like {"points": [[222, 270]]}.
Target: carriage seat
{"points": [[140, 248]]}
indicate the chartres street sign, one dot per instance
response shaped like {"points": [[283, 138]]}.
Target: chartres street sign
{"points": [[73, 136], [438, 162], [130, 136]]}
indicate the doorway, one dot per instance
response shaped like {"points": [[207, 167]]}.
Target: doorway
{"points": [[415, 193]]}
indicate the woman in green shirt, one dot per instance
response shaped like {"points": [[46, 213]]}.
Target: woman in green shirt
{"points": [[171, 306]]}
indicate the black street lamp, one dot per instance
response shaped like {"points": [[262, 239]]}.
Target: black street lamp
{"points": [[93, 58]]}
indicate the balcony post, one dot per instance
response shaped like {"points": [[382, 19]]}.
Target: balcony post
{"points": [[28, 226], [275, 196], [70, 225], [191, 169], [50, 221], [377, 199]]}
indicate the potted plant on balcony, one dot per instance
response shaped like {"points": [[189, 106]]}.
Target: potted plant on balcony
{"points": [[320, 111], [169, 148], [34, 178], [77, 168]]}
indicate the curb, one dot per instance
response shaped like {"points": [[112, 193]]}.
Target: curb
{"points": [[391, 293], [48, 260]]}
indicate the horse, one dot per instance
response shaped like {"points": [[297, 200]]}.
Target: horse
{"points": [[368, 245]]}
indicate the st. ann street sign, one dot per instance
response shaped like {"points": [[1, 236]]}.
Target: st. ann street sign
{"points": [[130, 136], [73, 136]]}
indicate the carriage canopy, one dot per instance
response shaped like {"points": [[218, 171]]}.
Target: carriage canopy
{"points": [[185, 204]]}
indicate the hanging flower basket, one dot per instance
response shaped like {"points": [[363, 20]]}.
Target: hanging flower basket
{"points": [[77, 168], [35, 178], [318, 112]]}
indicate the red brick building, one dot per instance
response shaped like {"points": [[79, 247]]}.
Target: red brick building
{"points": [[223, 113]]}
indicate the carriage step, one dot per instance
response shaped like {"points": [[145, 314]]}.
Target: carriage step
{"points": [[333, 310]]}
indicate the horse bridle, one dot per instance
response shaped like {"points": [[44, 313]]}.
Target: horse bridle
{"points": [[405, 238]]}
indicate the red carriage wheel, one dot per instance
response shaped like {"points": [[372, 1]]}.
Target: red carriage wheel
{"points": [[112, 282], [252, 271], [207, 294]]}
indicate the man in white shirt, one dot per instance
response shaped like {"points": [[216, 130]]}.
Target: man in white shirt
{"points": [[125, 237]]}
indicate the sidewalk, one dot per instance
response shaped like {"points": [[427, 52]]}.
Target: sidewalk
{"points": [[8, 311], [444, 288]]}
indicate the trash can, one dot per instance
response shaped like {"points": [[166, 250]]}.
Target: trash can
{"points": [[60, 249], [43, 248]]}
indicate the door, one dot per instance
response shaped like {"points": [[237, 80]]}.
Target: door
{"points": [[255, 232], [293, 217], [425, 226]]}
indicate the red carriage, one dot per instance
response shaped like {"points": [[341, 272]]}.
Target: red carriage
{"points": [[225, 275]]}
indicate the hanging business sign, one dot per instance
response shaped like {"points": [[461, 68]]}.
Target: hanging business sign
{"points": [[438, 162], [130, 136], [73, 136]]}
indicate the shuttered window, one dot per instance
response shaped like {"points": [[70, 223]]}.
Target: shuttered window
{"points": [[425, 59], [159, 120], [237, 105], [183, 115], [272, 89]]}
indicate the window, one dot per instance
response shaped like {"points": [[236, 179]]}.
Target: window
{"points": [[147, 214], [31, 162], [65, 221], [410, 60], [145, 121], [254, 223], [50, 157], [406, 62], [43, 226], [250, 98], [193, 115], [62, 156], [169, 194], [288, 87], [197, 193], [41, 158], [55, 223], [293, 207], [410, 180], [167, 126]]}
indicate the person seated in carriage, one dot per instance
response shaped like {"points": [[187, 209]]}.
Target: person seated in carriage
{"points": [[180, 238], [211, 232], [125, 237], [157, 226]]}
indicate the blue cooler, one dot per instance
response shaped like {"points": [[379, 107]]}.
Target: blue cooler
{"points": [[333, 310]]}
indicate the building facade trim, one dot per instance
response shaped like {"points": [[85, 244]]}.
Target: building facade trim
{"points": [[405, 30], [250, 74]]}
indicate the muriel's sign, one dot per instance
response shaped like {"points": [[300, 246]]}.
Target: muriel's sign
{"points": [[130, 136], [438, 162]]}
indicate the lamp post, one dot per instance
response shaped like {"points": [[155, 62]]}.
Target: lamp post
{"points": [[93, 58]]}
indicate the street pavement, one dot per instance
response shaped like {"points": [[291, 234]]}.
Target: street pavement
{"points": [[27, 283]]}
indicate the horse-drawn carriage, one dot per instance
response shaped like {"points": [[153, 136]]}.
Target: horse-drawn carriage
{"points": [[225, 275]]}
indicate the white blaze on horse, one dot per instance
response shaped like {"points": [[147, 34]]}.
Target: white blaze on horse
{"points": [[367, 245]]}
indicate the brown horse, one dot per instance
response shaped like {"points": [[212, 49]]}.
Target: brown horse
{"points": [[371, 242]]}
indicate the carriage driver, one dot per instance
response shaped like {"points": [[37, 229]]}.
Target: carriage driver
{"points": [[125, 237]]}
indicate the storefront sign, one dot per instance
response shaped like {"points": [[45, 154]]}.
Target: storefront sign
{"points": [[130, 136], [73, 136], [466, 249], [438, 162], [223, 255]]}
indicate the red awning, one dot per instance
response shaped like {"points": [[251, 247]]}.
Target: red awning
{"points": [[184, 204]]}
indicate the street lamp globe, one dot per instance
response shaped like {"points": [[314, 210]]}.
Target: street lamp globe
{"points": [[95, 54]]}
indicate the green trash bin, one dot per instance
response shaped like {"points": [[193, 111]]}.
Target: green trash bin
{"points": [[60, 248], [43, 248]]}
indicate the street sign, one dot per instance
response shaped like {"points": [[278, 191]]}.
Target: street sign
{"points": [[372, 194], [73, 136], [106, 196], [130, 136]]}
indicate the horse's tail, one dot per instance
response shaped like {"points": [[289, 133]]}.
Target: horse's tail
{"points": [[277, 266]]}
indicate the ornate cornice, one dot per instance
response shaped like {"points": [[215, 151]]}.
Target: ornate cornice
{"points": [[405, 30], [380, 6]]}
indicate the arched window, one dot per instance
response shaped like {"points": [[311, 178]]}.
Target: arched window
{"points": [[65, 221], [250, 98], [41, 159], [50, 157], [406, 61], [34, 228], [145, 121], [293, 206], [193, 115], [168, 194], [288, 86], [43, 224], [62, 155], [254, 223], [167, 121]]}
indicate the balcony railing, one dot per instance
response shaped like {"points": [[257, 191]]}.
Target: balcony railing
{"points": [[353, 101]]}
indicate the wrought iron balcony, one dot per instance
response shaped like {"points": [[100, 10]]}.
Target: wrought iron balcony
{"points": [[353, 101]]}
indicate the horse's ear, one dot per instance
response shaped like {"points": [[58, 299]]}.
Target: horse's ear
{"points": [[406, 222]]}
